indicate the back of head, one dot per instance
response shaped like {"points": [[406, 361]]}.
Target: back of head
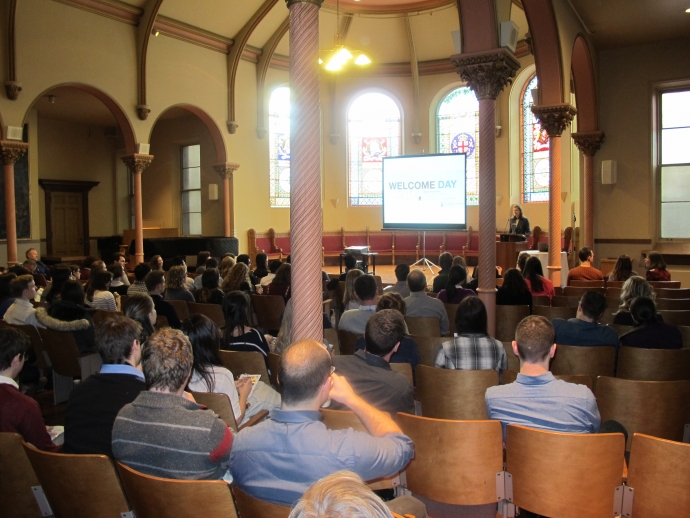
{"points": [[456, 275], [60, 273], [18, 270], [350, 261], [211, 263], [522, 261], [656, 260], [622, 269], [584, 253], [445, 260], [141, 271], [643, 310], [365, 287], [535, 337], [243, 258], [167, 360], [593, 304], [304, 368], [201, 258], [416, 281], [205, 339], [236, 310], [514, 282], [116, 270], [534, 272], [139, 307], [384, 330], [471, 316], [391, 300], [261, 259], [19, 284], [178, 260], [154, 279], [115, 337], [30, 265], [459, 260], [12, 342], [340, 495], [98, 266], [401, 272], [634, 287], [210, 278], [73, 292], [86, 263], [274, 265], [177, 276], [283, 274]]}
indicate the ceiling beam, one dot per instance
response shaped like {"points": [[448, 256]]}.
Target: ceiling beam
{"points": [[144, 29]]}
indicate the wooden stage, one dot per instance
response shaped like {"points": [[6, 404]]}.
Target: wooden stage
{"points": [[387, 272]]}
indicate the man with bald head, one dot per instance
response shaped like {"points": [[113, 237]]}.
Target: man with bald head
{"points": [[419, 304], [278, 459]]}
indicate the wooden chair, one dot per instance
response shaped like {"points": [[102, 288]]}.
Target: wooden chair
{"points": [[212, 311], [659, 474], [251, 507], [153, 497], [101, 314], [451, 310], [245, 362], [78, 485], [608, 316], [658, 408], [453, 394], [509, 376], [561, 301], [347, 342], [680, 318], [543, 463], [588, 284], [423, 326], [161, 322], [513, 360], [578, 379], [635, 363], [507, 319], [556, 312], [268, 309], [42, 358], [614, 293], [677, 293], [331, 336], [595, 360], [180, 308], [427, 347], [673, 304], [405, 369], [578, 291], [670, 285], [220, 404], [614, 284], [18, 478], [621, 330], [274, 366], [540, 300], [612, 302], [455, 462], [685, 331]]}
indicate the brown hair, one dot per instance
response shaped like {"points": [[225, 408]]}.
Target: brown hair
{"points": [[167, 360]]}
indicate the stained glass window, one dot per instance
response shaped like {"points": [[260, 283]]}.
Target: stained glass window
{"points": [[457, 131], [535, 152], [191, 190], [373, 129], [279, 146]]}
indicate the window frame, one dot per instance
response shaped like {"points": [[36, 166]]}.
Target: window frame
{"points": [[521, 145], [271, 198], [183, 191]]}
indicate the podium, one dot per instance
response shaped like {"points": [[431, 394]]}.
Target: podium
{"points": [[507, 249]]}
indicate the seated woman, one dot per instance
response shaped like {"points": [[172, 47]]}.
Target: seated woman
{"points": [[210, 292], [225, 265], [237, 279], [239, 335], [656, 267], [98, 295], [261, 266], [459, 260], [209, 375], [634, 287], [472, 348], [650, 333], [85, 271], [454, 292], [176, 285], [350, 300], [139, 307], [201, 259], [514, 291], [534, 277], [68, 313], [117, 285], [281, 283], [59, 275], [622, 270], [156, 263]]}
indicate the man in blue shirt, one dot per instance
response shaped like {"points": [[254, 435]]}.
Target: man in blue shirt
{"points": [[278, 459], [584, 329]]}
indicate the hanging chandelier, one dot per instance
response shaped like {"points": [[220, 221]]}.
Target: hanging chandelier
{"points": [[339, 56]]}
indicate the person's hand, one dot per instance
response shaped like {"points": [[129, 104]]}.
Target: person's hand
{"points": [[259, 289], [341, 391], [244, 387]]}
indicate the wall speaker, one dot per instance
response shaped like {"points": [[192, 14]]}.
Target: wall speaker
{"points": [[457, 41], [608, 172], [509, 35]]}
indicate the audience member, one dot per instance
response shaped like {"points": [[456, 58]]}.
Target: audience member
{"points": [[176, 285], [252, 279], [534, 277], [280, 285], [459, 260], [445, 261], [162, 433], [584, 328], [261, 270], [623, 269], [117, 285], [514, 290], [156, 263], [6, 297], [32, 255], [18, 412], [178, 260], [155, 283], [86, 267], [350, 264], [120, 259], [22, 311], [585, 272], [201, 259], [76, 272], [237, 279], [30, 266], [272, 269], [401, 273], [278, 459], [69, 314], [368, 372], [226, 263], [650, 333], [239, 335], [139, 285], [139, 307], [60, 275], [472, 348], [98, 295], [355, 320], [350, 300], [522, 261], [656, 267], [419, 304], [95, 402], [634, 287], [210, 292], [453, 292], [210, 263]]}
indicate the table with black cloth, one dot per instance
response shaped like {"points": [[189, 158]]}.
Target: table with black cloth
{"points": [[173, 246]]}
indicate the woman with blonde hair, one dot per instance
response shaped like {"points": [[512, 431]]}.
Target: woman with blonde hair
{"points": [[176, 285], [237, 279], [350, 300], [225, 265], [634, 287]]}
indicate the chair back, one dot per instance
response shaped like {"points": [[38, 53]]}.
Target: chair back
{"points": [[595, 360], [17, 478], [614, 284], [614, 292], [254, 508], [671, 285], [551, 313], [507, 319], [671, 293], [635, 363], [451, 310], [685, 331], [509, 376], [180, 308], [455, 462], [588, 284], [101, 314], [578, 291], [540, 300], [578, 379], [161, 322], [423, 326], [274, 366], [607, 316], [659, 474], [153, 497], [513, 360], [220, 404], [658, 408], [673, 304], [405, 369], [561, 301], [427, 347], [621, 330], [268, 309], [212, 311], [42, 358], [543, 463], [342, 420], [245, 362], [453, 394], [347, 341], [680, 318], [612, 302], [62, 351], [78, 485]]}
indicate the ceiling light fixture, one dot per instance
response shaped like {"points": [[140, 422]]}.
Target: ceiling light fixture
{"points": [[339, 56], [687, 10]]}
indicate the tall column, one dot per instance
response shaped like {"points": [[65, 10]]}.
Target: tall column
{"points": [[487, 74], [305, 173], [554, 119], [588, 143], [11, 152], [136, 164], [226, 171]]}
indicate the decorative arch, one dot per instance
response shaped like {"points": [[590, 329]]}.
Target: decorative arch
{"points": [[585, 86], [120, 116]]}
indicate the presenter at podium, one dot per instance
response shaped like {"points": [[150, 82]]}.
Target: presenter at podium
{"points": [[518, 223]]}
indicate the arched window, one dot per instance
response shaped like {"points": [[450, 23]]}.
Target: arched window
{"points": [[535, 152], [457, 131], [373, 131], [279, 146]]}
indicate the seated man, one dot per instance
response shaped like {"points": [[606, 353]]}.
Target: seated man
{"points": [[210, 263], [537, 399], [278, 459], [401, 273], [272, 269], [355, 320], [94, 403], [368, 372], [350, 264], [585, 272], [155, 283], [139, 285], [22, 312], [445, 261], [162, 433], [19, 413], [584, 329], [32, 255], [419, 304]]}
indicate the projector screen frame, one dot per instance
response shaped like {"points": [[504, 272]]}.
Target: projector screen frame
{"points": [[421, 226]]}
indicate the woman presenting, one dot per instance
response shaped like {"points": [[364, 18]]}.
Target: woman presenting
{"points": [[518, 223]]}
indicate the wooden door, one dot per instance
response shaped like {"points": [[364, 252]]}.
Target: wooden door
{"points": [[66, 220]]}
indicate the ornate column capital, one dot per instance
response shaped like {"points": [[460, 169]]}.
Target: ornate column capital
{"points": [[554, 119], [226, 169], [137, 162], [12, 151], [589, 142], [487, 73], [317, 3]]}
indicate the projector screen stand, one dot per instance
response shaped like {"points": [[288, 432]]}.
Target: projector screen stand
{"points": [[424, 263]]}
